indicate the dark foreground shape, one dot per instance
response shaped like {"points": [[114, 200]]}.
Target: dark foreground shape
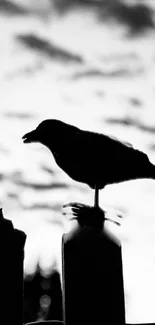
{"points": [[12, 243], [92, 274]]}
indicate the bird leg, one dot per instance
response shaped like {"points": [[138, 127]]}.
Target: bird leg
{"points": [[96, 200]]}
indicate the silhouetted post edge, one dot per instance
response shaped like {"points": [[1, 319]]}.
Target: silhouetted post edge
{"points": [[63, 280], [12, 243], [48, 322]]}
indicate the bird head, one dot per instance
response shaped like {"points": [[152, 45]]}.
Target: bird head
{"points": [[46, 132]]}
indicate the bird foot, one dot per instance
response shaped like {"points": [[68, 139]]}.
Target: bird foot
{"points": [[82, 211]]}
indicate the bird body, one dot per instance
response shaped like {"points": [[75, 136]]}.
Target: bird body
{"points": [[92, 158]]}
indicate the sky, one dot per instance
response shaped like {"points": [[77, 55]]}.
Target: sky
{"points": [[94, 68]]}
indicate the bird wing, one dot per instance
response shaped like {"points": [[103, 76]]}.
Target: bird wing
{"points": [[109, 160], [94, 158]]}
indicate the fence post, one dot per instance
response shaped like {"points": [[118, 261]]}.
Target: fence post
{"points": [[93, 291], [12, 243]]}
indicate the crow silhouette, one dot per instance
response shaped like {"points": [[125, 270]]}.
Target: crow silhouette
{"points": [[91, 158]]}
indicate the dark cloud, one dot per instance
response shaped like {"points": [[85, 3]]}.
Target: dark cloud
{"points": [[137, 17], [48, 49], [117, 73], [128, 121], [10, 8]]}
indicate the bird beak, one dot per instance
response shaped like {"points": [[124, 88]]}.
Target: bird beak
{"points": [[30, 137]]}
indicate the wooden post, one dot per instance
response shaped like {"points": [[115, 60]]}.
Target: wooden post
{"points": [[11, 272], [92, 275]]}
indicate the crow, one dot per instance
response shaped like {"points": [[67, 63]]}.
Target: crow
{"points": [[92, 158]]}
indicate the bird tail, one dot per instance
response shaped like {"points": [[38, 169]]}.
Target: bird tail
{"points": [[151, 171]]}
